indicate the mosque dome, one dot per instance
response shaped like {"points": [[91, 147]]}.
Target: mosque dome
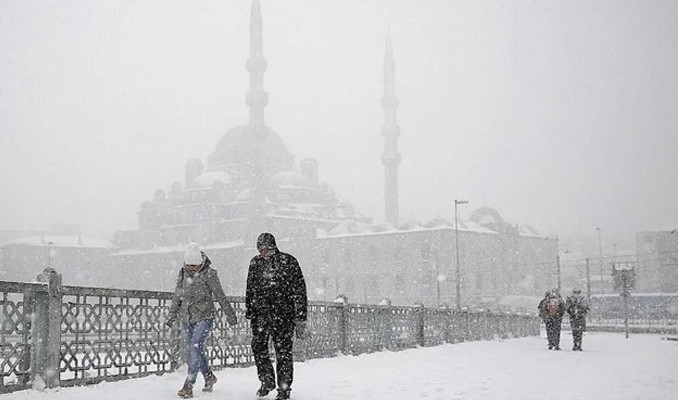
{"points": [[242, 145]]}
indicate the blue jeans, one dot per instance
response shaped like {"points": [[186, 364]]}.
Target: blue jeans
{"points": [[196, 334]]}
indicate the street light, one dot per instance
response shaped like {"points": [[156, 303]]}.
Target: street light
{"points": [[438, 279], [614, 253], [456, 244], [49, 254], [600, 256]]}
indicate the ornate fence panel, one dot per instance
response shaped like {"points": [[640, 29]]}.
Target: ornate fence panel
{"points": [[16, 309], [325, 327], [404, 328], [109, 334], [56, 335], [435, 326], [226, 345], [364, 329]]}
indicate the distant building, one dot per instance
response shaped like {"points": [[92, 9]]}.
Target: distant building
{"points": [[80, 260], [251, 183], [657, 266]]}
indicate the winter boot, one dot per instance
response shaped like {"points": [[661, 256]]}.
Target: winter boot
{"points": [[265, 389], [210, 380], [283, 394], [186, 391]]}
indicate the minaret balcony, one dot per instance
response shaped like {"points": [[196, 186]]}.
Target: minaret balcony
{"points": [[256, 64], [388, 102], [390, 159], [390, 131], [256, 98]]}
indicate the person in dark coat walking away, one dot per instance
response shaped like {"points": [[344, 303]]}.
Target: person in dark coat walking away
{"points": [[577, 307], [197, 288], [276, 304], [551, 310]]}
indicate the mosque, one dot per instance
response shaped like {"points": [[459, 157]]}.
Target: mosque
{"points": [[251, 183]]}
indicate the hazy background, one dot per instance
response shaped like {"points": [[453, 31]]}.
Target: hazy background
{"points": [[560, 114]]}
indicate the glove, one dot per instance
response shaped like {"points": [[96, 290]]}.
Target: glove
{"points": [[300, 329], [231, 319]]}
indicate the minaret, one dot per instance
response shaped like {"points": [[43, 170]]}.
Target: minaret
{"points": [[390, 131], [256, 98]]}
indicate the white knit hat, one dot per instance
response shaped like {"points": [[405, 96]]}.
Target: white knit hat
{"points": [[193, 255]]}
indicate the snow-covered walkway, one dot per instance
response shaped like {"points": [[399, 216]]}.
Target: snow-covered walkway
{"points": [[610, 367]]}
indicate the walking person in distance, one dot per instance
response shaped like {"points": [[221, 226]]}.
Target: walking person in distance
{"points": [[276, 305], [551, 310], [577, 307]]}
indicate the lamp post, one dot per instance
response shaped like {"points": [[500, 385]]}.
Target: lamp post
{"points": [[49, 254], [438, 278], [456, 245], [600, 256], [614, 253]]}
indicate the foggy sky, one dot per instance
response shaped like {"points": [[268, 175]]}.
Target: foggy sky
{"points": [[560, 115]]}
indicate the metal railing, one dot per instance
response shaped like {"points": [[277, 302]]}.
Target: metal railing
{"points": [[53, 335]]}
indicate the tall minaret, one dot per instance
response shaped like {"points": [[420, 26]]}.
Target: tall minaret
{"points": [[390, 131], [256, 98]]}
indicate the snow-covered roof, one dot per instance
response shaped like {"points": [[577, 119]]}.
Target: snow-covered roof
{"points": [[61, 241], [473, 226], [180, 248], [526, 230]]}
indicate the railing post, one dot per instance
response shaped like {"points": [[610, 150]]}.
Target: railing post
{"points": [[444, 312], [466, 315], [343, 322], [386, 324], [25, 364], [46, 332], [419, 315]]}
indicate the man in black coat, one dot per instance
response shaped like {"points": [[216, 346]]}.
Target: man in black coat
{"points": [[276, 305]]}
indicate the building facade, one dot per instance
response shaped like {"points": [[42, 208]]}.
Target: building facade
{"points": [[657, 266]]}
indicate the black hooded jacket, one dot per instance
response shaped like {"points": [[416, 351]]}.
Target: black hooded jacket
{"points": [[275, 286]]}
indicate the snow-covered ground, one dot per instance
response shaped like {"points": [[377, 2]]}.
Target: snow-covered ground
{"points": [[610, 367]]}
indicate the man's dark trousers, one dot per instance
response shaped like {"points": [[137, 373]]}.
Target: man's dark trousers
{"points": [[282, 332], [577, 334]]}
